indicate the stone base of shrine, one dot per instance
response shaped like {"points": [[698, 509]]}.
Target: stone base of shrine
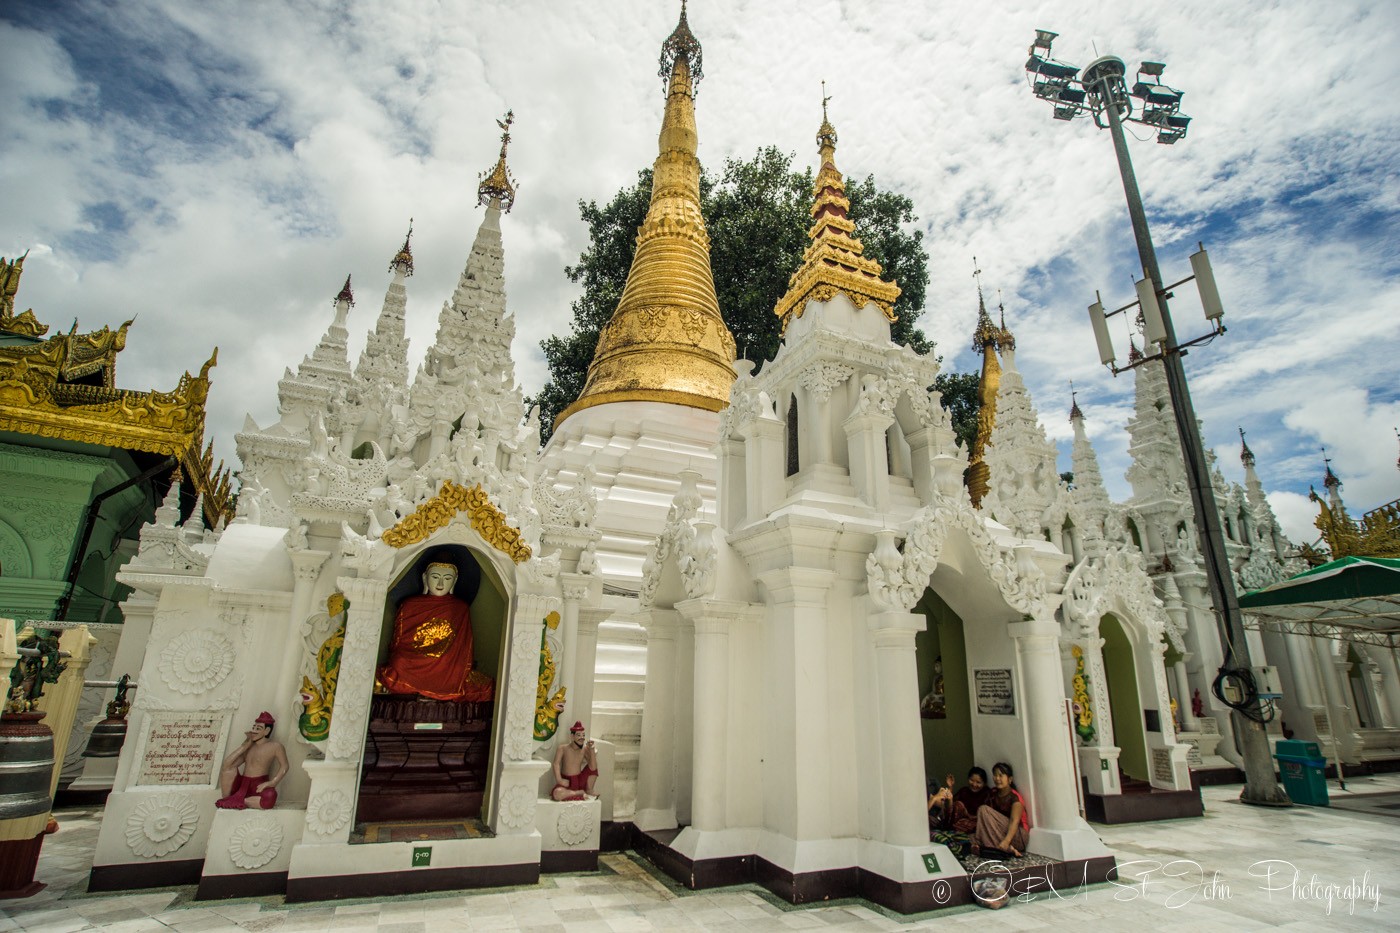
{"points": [[905, 880], [333, 872], [1144, 807]]}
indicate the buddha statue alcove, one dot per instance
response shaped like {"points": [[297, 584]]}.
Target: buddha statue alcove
{"points": [[431, 714], [430, 648]]}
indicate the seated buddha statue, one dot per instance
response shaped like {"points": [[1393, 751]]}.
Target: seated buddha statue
{"points": [[430, 653]]}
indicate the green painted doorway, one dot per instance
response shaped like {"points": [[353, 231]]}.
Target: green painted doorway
{"points": [[946, 727], [1121, 673]]}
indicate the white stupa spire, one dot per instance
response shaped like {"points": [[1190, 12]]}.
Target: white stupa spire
{"points": [[1023, 478]]}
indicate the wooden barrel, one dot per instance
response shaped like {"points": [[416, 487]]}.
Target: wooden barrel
{"points": [[26, 765]]}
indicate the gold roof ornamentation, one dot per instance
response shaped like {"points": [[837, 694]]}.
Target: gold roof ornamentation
{"points": [[833, 263], [667, 341], [26, 324], [489, 521], [986, 340], [64, 388], [499, 185], [403, 259], [1377, 534]]}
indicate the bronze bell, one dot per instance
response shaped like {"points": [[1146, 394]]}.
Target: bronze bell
{"points": [[108, 735], [106, 740]]}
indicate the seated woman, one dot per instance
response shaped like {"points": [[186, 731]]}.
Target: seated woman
{"points": [[958, 812], [1002, 822]]}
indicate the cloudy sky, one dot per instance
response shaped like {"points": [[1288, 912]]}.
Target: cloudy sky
{"points": [[217, 168]]}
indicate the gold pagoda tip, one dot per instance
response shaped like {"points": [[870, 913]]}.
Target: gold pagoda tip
{"points": [[499, 185], [681, 44], [403, 259], [345, 294]]}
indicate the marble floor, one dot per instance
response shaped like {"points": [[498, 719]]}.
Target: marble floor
{"points": [[1236, 869]]}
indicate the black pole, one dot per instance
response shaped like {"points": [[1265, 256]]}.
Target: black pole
{"points": [[75, 561], [1260, 787]]}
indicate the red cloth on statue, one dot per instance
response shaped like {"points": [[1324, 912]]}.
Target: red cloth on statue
{"points": [[579, 781], [431, 652], [245, 787]]}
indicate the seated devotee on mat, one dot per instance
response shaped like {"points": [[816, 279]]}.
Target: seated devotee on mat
{"points": [[957, 812], [1003, 825], [431, 650]]}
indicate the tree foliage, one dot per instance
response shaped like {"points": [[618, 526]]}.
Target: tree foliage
{"points": [[757, 212]]}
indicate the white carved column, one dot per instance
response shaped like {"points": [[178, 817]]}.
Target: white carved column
{"points": [[1304, 671], [581, 699], [576, 590], [1380, 694], [1339, 716], [901, 737], [1389, 667], [656, 804], [763, 449], [1183, 696], [711, 624], [517, 793], [819, 380], [306, 565], [732, 489], [796, 641], [870, 466], [1057, 829], [333, 790]]}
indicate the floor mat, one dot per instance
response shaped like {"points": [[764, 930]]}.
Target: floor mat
{"points": [[417, 831]]}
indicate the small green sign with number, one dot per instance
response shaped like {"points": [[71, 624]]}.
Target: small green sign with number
{"points": [[422, 856], [931, 863]]}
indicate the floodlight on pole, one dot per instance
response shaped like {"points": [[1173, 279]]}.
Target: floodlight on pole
{"points": [[1101, 91]]}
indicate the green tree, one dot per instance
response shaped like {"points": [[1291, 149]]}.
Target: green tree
{"points": [[757, 212], [960, 398]]}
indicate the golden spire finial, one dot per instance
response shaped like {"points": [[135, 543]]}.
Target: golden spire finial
{"points": [[667, 341], [1329, 479], [833, 262], [987, 341], [1246, 455], [1074, 411], [681, 45], [345, 294], [986, 335], [1005, 339], [499, 186], [826, 134], [403, 259]]}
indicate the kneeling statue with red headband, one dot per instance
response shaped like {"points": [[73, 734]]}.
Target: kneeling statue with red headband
{"points": [[575, 767], [256, 786]]}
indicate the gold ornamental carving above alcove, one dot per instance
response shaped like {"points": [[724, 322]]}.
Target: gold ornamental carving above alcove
{"points": [[487, 520]]}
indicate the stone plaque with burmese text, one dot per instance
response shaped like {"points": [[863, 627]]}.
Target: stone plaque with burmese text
{"points": [[180, 748]]}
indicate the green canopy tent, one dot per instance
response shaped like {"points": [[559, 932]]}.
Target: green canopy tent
{"points": [[1357, 598], [1355, 595]]}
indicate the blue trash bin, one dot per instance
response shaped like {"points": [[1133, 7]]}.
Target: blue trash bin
{"points": [[1303, 771]]}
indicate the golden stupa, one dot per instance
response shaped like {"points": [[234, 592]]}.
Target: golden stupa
{"points": [[667, 341]]}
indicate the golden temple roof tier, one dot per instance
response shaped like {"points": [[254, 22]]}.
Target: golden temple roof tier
{"points": [[667, 341], [834, 262], [64, 388]]}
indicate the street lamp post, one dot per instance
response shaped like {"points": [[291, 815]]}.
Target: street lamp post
{"points": [[1103, 93]]}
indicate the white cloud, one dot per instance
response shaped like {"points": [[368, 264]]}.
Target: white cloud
{"points": [[219, 171]]}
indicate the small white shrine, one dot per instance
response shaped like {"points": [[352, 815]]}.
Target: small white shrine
{"points": [[363, 481]]}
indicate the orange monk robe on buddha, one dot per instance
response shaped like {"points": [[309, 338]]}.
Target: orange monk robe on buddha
{"points": [[431, 650]]}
